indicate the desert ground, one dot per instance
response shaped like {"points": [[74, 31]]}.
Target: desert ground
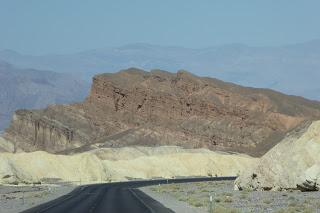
{"points": [[196, 196], [21, 197], [182, 197]]}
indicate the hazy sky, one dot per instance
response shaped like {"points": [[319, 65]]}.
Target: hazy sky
{"points": [[63, 26]]}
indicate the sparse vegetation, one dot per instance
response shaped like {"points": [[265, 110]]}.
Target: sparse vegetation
{"points": [[244, 194], [228, 199], [217, 200], [268, 201], [229, 194], [295, 210], [225, 199], [221, 209], [195, 202], [14, 183]]}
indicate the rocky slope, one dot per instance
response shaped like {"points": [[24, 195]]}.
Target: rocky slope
{"points": [[29, 88], [119, 164], [134, 107], [293, 163], [6, 146]]}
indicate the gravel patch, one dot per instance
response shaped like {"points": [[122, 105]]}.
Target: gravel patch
{"points": [[19, 198], [171, 202], [225, 199]]}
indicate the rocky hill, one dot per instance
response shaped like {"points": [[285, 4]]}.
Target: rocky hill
{"points": [[30, 88], [134, 107], [293, 163]]}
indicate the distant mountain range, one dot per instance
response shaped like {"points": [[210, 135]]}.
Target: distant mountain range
{"points": [[30, 88], [293, 69]]}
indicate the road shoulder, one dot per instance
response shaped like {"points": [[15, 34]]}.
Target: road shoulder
{"points": [[20, 198], [171, 202]]}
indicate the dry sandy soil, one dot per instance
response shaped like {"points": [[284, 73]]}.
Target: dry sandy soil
{"points": [[19, 198], [225, 199]]}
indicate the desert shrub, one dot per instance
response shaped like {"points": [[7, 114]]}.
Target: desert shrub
{"points": [[267, 201], [183, 199], [295, 209], [194, 202], [227, 194], [204, 190], [228, 199], [14, 183], [220, 209], [217, 200], [293, 204], [243, 196], [37, 183], [191, 192]]}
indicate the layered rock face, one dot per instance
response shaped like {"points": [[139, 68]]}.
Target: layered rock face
{"points": [[134, 107], [292, 164]]}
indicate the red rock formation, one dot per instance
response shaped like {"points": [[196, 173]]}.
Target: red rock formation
{"points": [[154, 108]]}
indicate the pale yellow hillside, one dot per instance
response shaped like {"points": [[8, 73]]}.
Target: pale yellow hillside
{"points": [[120, 164], [295, 161]]}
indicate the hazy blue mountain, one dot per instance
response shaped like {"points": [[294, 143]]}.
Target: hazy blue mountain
{"points": [[30, 88], [293, 69]]}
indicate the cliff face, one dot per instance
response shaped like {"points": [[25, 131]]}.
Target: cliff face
{"points": [[134, 107], [41, 133]]}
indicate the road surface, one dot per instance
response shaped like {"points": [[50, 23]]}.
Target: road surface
{"points": [[120, 197]]}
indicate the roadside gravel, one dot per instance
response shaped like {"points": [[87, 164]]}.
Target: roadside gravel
{"points": [[19, 198], [195, 196], [171, 202]]}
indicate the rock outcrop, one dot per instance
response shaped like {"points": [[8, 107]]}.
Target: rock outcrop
{"points": [[292, 164], [134, 107]]}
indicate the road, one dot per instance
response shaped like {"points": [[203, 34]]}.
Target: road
{"points": [[119, 197]]}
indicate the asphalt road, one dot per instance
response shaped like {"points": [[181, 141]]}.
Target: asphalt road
{"points": [[120, 197]]}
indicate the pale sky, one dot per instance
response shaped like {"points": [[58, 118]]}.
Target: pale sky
{"points": [[66, 26]]}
